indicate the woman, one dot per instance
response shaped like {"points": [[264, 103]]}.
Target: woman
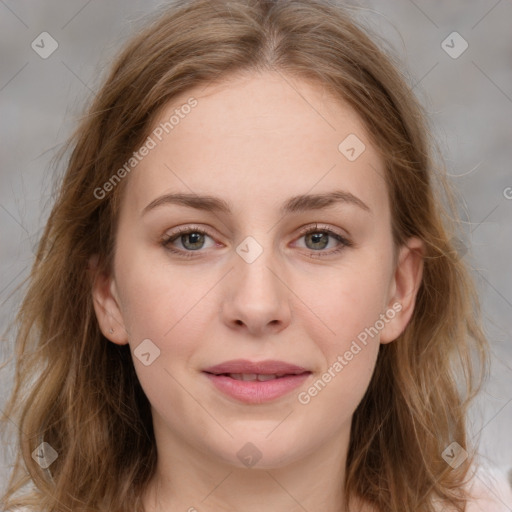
{"points": [[247, 294]]}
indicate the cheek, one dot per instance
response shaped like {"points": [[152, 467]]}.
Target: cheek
{"points": [[157, 295], [333, 397], [349, 304], [345, 301], [169, 310]]}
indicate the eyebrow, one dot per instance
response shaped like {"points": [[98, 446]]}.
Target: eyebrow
{"points": [[295, 204]]}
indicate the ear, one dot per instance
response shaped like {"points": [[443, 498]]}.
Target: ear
{"points": [[106, 304], [404, 287]]}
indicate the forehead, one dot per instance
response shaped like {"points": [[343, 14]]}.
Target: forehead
{"points": [[264, 136]]}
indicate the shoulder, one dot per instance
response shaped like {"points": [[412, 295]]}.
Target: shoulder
{"points": [[491, 490]]}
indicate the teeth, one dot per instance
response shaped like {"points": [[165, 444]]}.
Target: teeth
{"points": [[252, 376], [263, 378], [243, 376]]}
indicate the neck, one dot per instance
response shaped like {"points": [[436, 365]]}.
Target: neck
{"points": [[191, 480]]}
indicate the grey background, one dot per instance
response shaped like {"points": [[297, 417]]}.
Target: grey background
{"points": [[469, 100]]}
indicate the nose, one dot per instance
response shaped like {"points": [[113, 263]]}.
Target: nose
{"points": [[256, 299]]}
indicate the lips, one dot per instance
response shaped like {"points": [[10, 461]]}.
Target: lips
{"points": [[256, 382], [243, 366]]}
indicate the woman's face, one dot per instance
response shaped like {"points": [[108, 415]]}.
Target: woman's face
{"points": [[273, 157]]}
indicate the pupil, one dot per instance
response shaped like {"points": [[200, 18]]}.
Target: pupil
{"points": [[319, 237], [196, 238]]}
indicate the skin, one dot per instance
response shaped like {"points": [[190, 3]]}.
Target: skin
{"points": [[255, 141]]}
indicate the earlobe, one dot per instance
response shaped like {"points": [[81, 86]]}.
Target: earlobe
{"points": [[404, 287], [106, 305]]}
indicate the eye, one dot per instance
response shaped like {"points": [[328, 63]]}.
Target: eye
{"points": [[317, 238], [191, 238]]}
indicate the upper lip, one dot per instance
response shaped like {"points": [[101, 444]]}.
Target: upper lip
{"points": [[269, 367]]}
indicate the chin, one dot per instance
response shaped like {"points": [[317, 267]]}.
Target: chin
{"points": [[256, 452]]}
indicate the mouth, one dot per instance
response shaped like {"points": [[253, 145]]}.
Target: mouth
{"points": [[256, 382], [251, 377]]}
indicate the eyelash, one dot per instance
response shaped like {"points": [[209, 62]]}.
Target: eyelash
{"points": [[344, 242]]}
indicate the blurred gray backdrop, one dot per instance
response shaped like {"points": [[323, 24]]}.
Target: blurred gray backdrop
{"points": [[463, 78]]}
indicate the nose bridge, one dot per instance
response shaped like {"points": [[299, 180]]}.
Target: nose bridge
{"points": [[256, 265], [257, 297]]}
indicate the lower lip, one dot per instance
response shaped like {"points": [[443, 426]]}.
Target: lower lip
{"points": [[256, 392]]}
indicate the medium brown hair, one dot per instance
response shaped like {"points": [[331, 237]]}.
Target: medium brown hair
{"points": [[79, 392]]}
